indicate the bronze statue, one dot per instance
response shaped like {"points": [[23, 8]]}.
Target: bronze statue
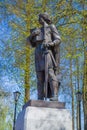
{"points": [[46, 41]]}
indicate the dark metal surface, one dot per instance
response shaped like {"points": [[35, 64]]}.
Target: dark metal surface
{"points": [[46, 41], [14, 116], [40, 103]]}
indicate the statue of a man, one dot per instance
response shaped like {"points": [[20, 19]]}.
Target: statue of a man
{"points": [[46, 41]]}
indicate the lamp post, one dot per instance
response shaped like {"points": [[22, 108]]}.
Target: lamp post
{"points": [[16, 97], [79, 97]]}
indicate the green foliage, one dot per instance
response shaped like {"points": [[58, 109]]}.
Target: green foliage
{"points": [[5, 115], [70, 18]]}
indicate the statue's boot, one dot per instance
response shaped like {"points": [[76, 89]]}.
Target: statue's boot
{"points": [[54, 90]]}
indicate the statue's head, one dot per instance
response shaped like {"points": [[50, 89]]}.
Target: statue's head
{"points": [[44, 17]]}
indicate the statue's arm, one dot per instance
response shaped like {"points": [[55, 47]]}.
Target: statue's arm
{"points": [[30, 41], [55, 35]]}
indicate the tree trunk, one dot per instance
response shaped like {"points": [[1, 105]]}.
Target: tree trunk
{"points": [[85, 89], [27, 53], [71, 84], [27, 74]]}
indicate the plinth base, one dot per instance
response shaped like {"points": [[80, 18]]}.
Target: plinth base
{"points": [[43, 118]]}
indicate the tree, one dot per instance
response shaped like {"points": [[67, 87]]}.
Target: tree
{"points": [[70, 18], [4, 110], [23, 14]]}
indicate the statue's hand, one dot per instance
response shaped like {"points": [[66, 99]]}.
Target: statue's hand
{"points": [[49, 44]]}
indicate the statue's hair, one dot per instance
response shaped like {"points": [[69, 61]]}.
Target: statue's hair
{"points": [[46, 17]]}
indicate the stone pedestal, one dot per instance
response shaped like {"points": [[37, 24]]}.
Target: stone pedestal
{"points": [[44, 117]]}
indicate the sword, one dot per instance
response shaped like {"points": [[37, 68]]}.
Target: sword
{"points": [[46, 63], [46, 73]]}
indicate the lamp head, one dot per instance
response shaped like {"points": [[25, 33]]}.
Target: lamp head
{"points": [[79, 96], [16, 95]]}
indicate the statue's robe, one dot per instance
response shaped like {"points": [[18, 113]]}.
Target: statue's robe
{"points": [[52, 36]]}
